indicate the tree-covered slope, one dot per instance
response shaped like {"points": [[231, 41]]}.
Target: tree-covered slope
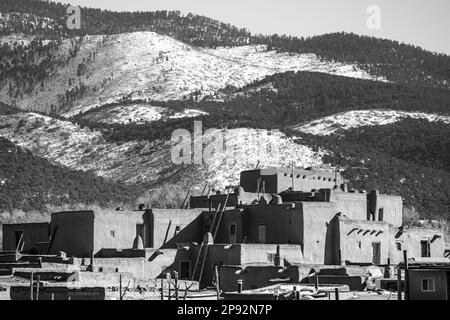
{"points": [[31, 183]]}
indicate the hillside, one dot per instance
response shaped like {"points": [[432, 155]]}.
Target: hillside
{"points": [[78, 74], [149, 162], [394, 61], [31, 183]]}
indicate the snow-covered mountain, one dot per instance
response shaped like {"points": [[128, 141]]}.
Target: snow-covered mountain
{"points": [[149, 66]]}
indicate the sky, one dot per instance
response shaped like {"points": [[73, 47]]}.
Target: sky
{"points": [[424, 23]]}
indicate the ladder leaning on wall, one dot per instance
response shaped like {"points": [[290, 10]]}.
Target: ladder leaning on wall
{"points": [[203, 252]]}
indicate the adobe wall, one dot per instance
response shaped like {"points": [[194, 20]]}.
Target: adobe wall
{"points": [[390, 205], [74, 233], [115, 229], [306, 180], [163, 224], [410, 241], [161, 260], [352, 204], [229, 218], [283, 223], [318, 237], [357, 237], [249, 180], [135, 266], [258, 253], [32, 233]]}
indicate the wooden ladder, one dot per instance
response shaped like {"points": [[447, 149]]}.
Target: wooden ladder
{"points": [[203, 252]]}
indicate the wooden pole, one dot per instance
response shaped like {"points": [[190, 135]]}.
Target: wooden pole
{"points": [[317, 282], [216, 272], [37, 287], [399, 284], [120, 286], [162, 289], [405, 259], [169, 284], [292, 175], [176, 285], [336, 293], [31, 285]]}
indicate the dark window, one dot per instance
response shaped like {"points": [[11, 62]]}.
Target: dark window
{"points": [[428, 285], [380, 214], [185, 269], [271, 257], [425, 248], [398, 245], [232, 229]]}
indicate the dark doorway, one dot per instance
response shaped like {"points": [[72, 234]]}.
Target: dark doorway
{"points": [[140, 231], [185, 269], [376, 253], [425, 248], [18, 239]]}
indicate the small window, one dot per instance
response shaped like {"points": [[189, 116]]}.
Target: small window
{"points": [[425, 248], [359, 244], [428, 285], [112, 233], [232, 229], [177, 229], [380, 214], [398, 245], [304, 177], [271, 257]]}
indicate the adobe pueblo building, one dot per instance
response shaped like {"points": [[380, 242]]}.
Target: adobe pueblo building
{"points": [[280, 223]]}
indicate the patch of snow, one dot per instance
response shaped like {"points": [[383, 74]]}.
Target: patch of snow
{"points": [[139, 114], [360, 118], [188, 113]]}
